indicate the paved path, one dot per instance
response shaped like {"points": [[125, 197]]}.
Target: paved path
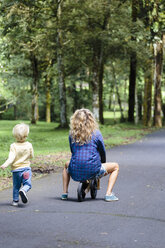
{"points": [[136, 221]]}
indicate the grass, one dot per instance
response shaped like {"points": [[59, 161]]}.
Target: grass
{"points": [[47, 139], [120, 134]]}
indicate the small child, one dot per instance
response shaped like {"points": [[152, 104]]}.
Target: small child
{"points": [[20, 153], [88, 158]]}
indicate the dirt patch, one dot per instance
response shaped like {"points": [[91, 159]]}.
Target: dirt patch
{"points": [[45, 164], [41, 165], [5, 182]]}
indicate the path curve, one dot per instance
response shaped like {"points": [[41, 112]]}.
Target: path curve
{"points": [[137, 220]]}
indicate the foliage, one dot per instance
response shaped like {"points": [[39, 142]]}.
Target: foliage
{"points": [[30, 28]]}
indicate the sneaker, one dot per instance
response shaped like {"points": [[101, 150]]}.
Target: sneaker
{"points": [[14, 203], [64, 196], [23, 196], [110, 198]]}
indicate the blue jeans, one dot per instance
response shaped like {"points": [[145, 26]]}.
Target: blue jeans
{"points": [[22, 176], [101, 173]]}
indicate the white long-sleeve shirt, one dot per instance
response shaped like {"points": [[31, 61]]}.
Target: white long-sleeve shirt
{"points": [[19, 155]]}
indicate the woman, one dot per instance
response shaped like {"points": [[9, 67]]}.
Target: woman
{"points": [[88, 158]]}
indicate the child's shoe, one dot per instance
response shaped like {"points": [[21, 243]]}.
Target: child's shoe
{"points": [[111, 197], [23, 196], [14, 203], [64, 196]]}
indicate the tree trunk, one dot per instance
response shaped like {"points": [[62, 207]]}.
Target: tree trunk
{"points": [[48, 99], [74, 95], [132, 78], [62, 91], [61, 76], [101, 61], [34, 117], [125, 96], [136, 107], [95, 84], [163, 104], [15, 111], [139, 96], [101, 72], [53, 115], [114, 106], [147, 100], [110, 96], [117, 93], [132, 85], [98, 71], [158, 48], [120, 105], [145, 15]]}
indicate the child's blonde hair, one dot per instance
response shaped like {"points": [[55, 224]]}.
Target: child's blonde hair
{"points": [[82, 126], [20, 132]]}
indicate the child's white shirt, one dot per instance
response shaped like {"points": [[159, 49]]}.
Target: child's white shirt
{"points": [[19, 155]]}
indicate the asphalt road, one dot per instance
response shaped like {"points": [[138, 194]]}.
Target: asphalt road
{"points": [[137, 220]]}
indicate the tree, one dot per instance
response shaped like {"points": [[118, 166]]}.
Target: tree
{"points": [[61, 39], [34, 89], [145, 15], [158, 48], [133, 62], [158, 26], [61, 75], [19, 29]]}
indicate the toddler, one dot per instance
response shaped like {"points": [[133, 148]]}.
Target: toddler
{"points": [[20, 153], [88, 158]]}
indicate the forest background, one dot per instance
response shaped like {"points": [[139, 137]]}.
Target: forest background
{"points": [[57, 56], [60, 55]]}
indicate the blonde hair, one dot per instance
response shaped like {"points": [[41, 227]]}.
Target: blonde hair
{"points": [[20, 132], [82, 126]]}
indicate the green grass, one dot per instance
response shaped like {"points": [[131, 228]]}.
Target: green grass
{"points": [[48, 139], [123, 133]]}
